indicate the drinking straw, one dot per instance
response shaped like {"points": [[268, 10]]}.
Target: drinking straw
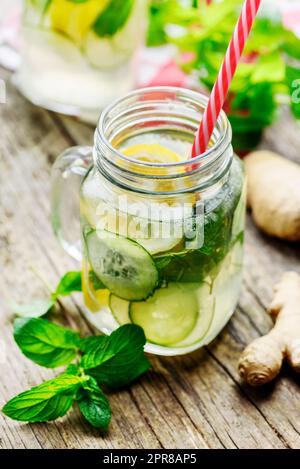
{"points": [[225, 76]]}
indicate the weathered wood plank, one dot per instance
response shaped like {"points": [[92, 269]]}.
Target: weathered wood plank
{"points": [[197, 401]]}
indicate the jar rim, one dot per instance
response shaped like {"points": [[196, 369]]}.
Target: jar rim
{"points": [[219, 145]]}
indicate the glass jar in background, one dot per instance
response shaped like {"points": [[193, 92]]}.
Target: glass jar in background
{"points": [[161, 235], [78, 56]]}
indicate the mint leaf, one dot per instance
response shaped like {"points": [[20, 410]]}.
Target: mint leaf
{"points": [[45, 343], [118, 359], [88, 343], [34, 310], [95, 281], [113, 17], [69, 283], [205, 32], [72, 369], [45, 402], [94, 405]]}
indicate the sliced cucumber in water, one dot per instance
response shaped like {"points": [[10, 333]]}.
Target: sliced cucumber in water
{"points": [[119, 309], [169, 315], [122, 265], [156, 245], [150, 234], [206, 307]]}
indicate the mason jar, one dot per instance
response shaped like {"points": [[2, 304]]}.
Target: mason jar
{"points": [[78, 56], [161, 234]]}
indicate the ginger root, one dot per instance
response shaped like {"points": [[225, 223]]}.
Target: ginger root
{"points": [[261, 361], [274, 194]]}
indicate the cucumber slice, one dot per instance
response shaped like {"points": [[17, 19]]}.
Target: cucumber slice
{"points": [[119, 309], [169, 315], [135, 228], [124, 267], [206, 305], [157, 246]]}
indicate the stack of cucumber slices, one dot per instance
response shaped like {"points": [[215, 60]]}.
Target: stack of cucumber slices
{"points": [[176, 315]]}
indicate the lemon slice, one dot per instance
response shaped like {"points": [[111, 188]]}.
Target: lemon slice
{"points": [[94, 300], [156, 153], [151, 153], [75, 19]]}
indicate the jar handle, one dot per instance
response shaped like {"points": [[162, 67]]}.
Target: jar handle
{"points": [[68, 172]]}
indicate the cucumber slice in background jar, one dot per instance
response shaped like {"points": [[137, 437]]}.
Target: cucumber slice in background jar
{"points": [[124, 267], [119, 309], [169, 316]]}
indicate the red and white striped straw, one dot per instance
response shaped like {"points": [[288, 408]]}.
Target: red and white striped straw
{"points": [[226, 73]]}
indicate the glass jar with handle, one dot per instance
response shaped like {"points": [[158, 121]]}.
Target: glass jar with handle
{"points": [[161, 234]]}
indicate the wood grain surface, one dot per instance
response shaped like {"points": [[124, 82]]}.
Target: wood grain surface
{"points": [[195, 401]]}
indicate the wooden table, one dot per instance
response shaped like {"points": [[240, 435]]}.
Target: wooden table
{"points": [[196, 401]]}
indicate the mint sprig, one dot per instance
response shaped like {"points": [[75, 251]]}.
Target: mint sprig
{"points": [[45, 343], [69, 283], [48, 401], [117, 359], [94, 405], [114, 361]]}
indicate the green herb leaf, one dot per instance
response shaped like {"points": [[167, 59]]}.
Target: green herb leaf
{"points": [[96, 282], [205, 32], [88, 343], [45, 343], [68, 284], [78, 1], [34, 310], [118, 359], [94, 405], [45, 402], [113, 17]]}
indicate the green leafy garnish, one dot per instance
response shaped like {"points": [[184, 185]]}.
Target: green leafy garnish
{"points": [[45, 343], [118, 359], [69, 283], [204, 31], [94, 405], [195, 265], [48, 401], [113, 17], [114, 360], [95, 281]]}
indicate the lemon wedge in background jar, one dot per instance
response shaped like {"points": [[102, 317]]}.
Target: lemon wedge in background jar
{"points": [[75, 19]]}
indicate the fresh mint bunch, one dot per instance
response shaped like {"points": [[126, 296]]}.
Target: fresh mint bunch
{"points": [[114, 361], [69, 283], [265, 76]]}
